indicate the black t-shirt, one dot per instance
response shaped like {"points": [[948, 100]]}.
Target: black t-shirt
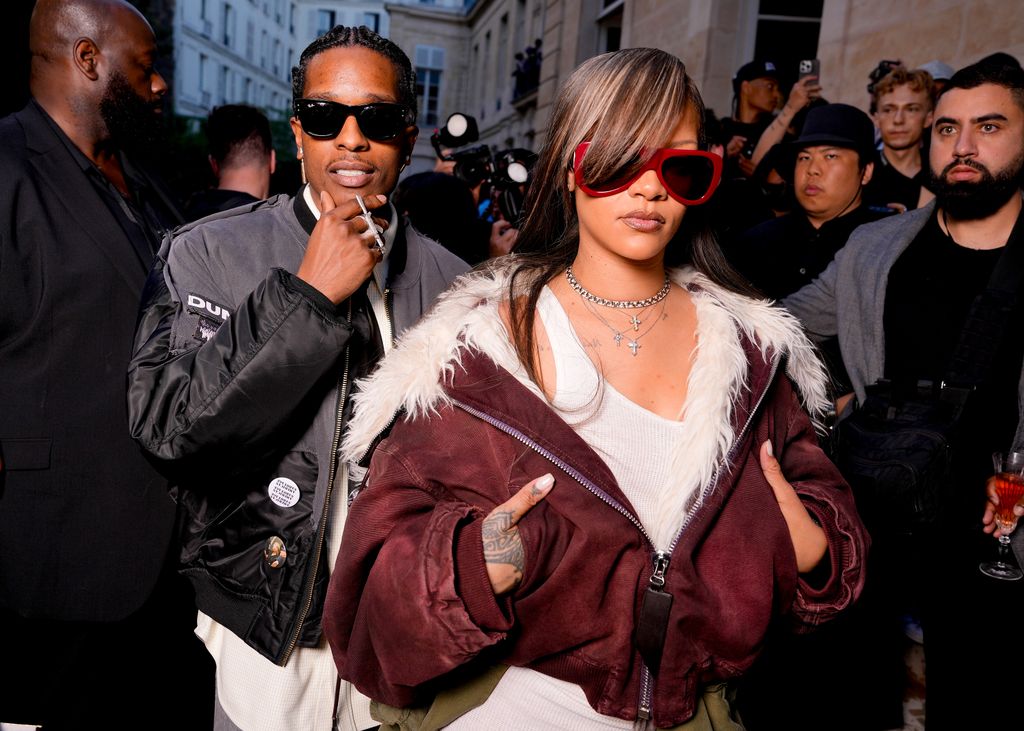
{"points": [[929, 295], [207, 202], [751, 130], [784, 254], [889, 185]]}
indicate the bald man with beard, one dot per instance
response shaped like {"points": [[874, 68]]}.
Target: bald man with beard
{"points": [[94, 629]]}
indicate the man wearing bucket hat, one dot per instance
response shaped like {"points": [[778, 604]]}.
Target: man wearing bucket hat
{"points": [[828, 165]]}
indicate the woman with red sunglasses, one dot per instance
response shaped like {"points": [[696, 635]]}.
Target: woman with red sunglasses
{"points": [[593, 480]]}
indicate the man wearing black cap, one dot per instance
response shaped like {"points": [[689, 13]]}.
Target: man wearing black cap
{"points": [[829, 165], [756, 96]]}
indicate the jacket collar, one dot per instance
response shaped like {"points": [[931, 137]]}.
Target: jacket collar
{"points": [[62, 175], [741, 342]]}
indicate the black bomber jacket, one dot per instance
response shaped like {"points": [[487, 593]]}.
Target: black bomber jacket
{"points": [[238, 391]]}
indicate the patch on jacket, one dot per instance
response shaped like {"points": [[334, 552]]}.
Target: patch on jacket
{"points": [[210, 316], [206, 329], [206, 308]]}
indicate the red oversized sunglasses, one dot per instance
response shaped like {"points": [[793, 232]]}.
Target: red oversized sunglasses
{"points": [[689, 176]]}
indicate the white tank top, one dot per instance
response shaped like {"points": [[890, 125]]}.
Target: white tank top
{"points": [[637, 445]]}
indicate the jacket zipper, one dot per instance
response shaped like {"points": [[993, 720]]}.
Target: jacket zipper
{"points": [[590, 486], [322, 528], [387, 312], [660, 559], [394, 416], [646, 678]]}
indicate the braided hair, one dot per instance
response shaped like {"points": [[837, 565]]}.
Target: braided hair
{"points": [[341, 36]]}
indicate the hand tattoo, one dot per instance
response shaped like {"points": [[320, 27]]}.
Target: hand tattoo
{"points": [[502, 543]]}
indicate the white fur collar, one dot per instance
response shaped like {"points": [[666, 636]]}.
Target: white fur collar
{"points": [[412, 377]]}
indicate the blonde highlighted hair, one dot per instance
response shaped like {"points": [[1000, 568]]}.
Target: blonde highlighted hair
{"points": [[623, 103]]}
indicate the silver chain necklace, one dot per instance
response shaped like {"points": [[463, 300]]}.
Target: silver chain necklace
{"points": [[632, 341], [619, 304]]}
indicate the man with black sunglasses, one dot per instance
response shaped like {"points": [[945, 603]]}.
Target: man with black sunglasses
{"points": [[256, 325]]}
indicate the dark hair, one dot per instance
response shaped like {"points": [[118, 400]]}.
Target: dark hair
{"points": [[237, 134], [341, 36], [714, 130], [879, 72], [990, 70], [441, 207], [598, 103], [1000, 58]]}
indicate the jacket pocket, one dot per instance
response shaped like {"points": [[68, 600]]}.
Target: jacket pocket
{"points": [[25, 467], [256, 534], [20, 453]]}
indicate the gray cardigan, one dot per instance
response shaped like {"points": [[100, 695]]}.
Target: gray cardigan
{"points": [[848, 300]]}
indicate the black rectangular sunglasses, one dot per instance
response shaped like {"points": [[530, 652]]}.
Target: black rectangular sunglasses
{"points": [[379, 121]]}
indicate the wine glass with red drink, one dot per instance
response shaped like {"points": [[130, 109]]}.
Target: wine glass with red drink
{"points": [[1009, 487]]}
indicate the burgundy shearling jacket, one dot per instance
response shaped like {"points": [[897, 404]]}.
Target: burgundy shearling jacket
{"points": [[410, 608]]}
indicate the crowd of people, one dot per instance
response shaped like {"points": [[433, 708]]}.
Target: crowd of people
{"points": [[290, 463]]}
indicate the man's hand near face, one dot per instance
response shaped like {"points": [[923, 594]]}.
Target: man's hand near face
{"points": [[341, 252]]}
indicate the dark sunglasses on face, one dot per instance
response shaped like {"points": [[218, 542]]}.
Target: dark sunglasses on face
{"points": [[379, 121], [689, 176]]}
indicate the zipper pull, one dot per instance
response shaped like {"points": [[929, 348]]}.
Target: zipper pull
{"points": [[654, 613], [660, 559]]}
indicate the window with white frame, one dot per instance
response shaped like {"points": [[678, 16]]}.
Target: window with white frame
{"points": [[609, 25], [429, 65], [229, 25], [325, 20], [501, 61], [204, 94], [223, 84]]}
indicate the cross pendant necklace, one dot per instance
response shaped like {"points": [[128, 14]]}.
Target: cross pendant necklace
{"points": [[632, 343]]}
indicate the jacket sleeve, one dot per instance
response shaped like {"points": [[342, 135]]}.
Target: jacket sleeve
{"points": [[814, 305], [837, 583], [409, 599], [212, 385]]}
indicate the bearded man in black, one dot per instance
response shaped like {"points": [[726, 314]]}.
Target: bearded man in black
{"points": [[899, 296]]}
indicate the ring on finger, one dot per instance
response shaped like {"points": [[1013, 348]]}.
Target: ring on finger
{"points": [[374, 242]]}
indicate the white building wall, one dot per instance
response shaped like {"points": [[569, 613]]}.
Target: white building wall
{"points": [[313, 18], [233, 52]]}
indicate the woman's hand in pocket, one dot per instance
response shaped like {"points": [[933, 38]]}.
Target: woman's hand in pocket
{"points": [[503, 547], [808, 538]]}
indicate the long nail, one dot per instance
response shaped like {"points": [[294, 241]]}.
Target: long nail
{"points": [[543, 484]]}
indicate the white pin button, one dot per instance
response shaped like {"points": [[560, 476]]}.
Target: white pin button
{"points": [[283, 492]]}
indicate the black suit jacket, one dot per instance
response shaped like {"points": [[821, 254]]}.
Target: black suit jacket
{"points": [[85, 522]]}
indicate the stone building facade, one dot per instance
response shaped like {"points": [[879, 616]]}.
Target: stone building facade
{"points": [[474, 46]]}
